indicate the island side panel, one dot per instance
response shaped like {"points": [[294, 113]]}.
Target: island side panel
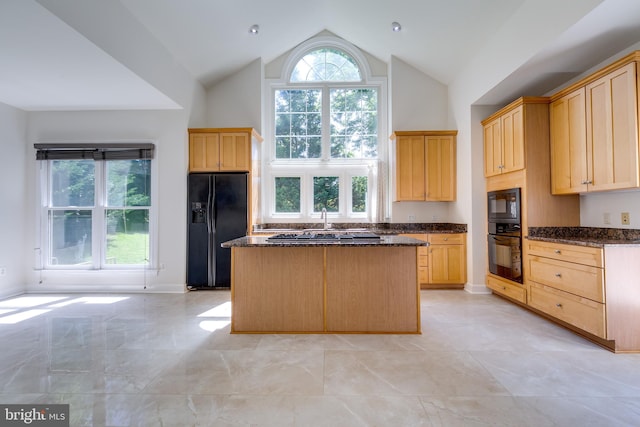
{"points": [[277, 289], [372, 289]]}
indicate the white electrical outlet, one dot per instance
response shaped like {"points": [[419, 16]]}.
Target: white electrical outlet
{"points": [[607, 218], [624, 218], [3, 271], [412, 217]]}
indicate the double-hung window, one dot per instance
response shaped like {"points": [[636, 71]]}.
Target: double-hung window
{"points": [[96, 208], [326, 124]]}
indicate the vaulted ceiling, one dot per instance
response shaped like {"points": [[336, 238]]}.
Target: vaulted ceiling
{"points": [[63, 54]]}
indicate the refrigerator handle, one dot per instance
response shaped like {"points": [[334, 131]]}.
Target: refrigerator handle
{"points": [[211, 259]]}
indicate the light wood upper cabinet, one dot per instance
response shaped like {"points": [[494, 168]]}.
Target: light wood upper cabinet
{"points": [[235, 151], [425, 165], [504, 142], [612, 130], [410, 164], [204, 152], [220, 150], [569, 143], [594, 131], [441, 167]]}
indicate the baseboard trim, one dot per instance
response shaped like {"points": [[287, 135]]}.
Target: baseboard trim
{"points": [[476, 288]]}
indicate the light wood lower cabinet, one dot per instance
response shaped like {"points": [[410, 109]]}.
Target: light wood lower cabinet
{"points": [[302, 289], [583, 313], [442, 264], [507, 288], [575, 285]]}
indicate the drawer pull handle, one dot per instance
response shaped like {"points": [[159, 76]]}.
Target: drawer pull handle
{"points": [[504, 288], [558, 251], [558, 275], [559, 305], [446, 238]]}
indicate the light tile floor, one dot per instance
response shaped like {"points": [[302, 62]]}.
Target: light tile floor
{"points": [[158, 359]]}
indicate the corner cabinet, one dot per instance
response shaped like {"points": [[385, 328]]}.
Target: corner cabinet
{"points": [[425, 165], [594, 131], [442, 264], [229, 150], [221, 150]]}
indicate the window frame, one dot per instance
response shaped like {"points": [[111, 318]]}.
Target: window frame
{"points": [[325, 165], [99, 221]]}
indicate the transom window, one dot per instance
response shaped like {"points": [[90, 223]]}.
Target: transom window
{"points": [[326, 122]]}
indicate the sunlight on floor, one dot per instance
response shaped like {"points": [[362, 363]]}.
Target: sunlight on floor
{"points": [[10, 309], [221, 312]]}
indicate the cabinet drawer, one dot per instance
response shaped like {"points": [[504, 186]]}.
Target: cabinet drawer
{"points": [[446, 239], [581, 280], [511, 290], [572, 253], [423, 259], [423, 274], [580, 312]]}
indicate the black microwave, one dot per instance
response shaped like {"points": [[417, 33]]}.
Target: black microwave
{"points": [[504, 206]]}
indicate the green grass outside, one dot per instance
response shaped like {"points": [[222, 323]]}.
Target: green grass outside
{"points": [[127, 248]]}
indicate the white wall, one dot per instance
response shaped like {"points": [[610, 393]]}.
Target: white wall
{"points": [[168, 129], [237, 100], [15, 250]]}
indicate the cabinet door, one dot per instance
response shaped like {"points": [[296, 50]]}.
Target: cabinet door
{"points": [[410, 168], [569, 144], [492, 148], [513, 140], [441, 168], [203, 152], [235, 152], [447, 264], [612, 130]]}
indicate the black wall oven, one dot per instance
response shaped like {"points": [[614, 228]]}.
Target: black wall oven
{"points": [[505, 237]]}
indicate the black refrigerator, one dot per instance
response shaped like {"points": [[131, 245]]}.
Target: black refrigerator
{"points": [[217, 212]]}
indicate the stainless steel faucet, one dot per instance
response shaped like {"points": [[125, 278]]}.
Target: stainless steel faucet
{"points": [[323, 215]]}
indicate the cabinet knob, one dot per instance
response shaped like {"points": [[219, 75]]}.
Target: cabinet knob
{"points": [[504, 288], [558, 251], [559, 305], [446, 238], [558, 275]]}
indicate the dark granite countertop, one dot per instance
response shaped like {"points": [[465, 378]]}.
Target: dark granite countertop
{"points": [[586, 236], [263, 241], [378, 228]]}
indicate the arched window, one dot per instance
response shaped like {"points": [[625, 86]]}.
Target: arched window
{"points": [[326, 65], [324, 133]]}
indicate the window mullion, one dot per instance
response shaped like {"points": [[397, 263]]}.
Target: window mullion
{"points": [[326, 123], [99, 229]]}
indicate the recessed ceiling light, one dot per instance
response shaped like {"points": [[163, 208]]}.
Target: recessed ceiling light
{"points": [[254, 29], [396, 27]]}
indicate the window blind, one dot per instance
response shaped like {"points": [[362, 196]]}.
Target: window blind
{"points": [[101, 151]]}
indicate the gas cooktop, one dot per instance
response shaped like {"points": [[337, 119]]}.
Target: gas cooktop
{"points": [[322, 236]]}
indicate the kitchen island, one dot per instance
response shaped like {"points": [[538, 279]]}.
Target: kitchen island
{"points": [[353, 285]]}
